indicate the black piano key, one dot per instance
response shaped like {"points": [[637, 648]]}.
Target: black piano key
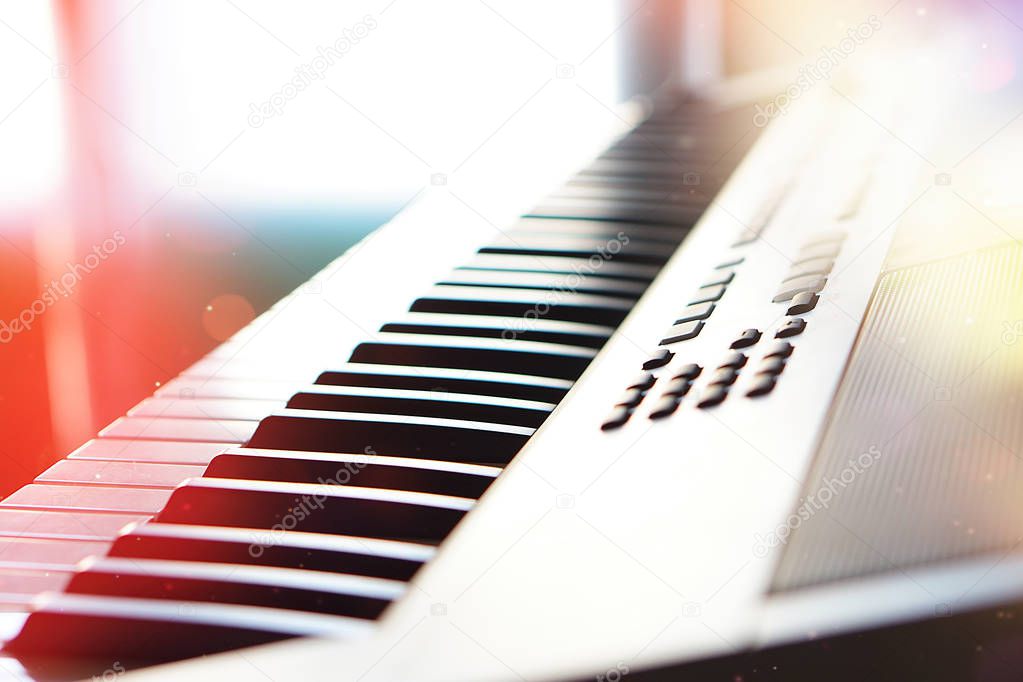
{"points": [[365, 471], [331, 509], [514, 330], [166, 428], [46, 553], [597, 229], [525, 304], [167, 452], [286, 549], [574, 283], [600, 265], [119, 473], [425, 404], [105, 628], [654, 149], [679, 194], [522, 387], [87, 498], [420, 437], [601, 209], [557, 363], [662, 169], [624, 249], [22, 584], [204, 408], [266, 586], [241, 389]]}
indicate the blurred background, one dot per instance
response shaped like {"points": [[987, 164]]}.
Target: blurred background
{"points": [[173, 167]]}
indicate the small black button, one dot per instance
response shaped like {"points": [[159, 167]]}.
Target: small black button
{"points": [[747, 236], [617, 418], [724, 376], [720, 277], [828, 237], [802, 303], [730, 263], [678, 387], [660, 358], [664, 407], [817, 251], [762, 385], [818, 266], [643, 382], [792, 327], [707, 294], [793, 287], [690, 372], [747, 338], [771, 366], [781, 349], [734, 360], [632, 397], [700, 311], [713, 395], [682, 332]]}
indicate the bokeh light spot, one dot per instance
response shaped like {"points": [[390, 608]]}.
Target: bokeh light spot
{"points": [[226, 314]]}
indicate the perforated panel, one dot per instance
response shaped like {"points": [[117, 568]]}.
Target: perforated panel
{"points": [[922, 459]]}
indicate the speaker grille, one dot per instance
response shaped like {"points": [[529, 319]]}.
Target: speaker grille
{"points": [[922, 458]]}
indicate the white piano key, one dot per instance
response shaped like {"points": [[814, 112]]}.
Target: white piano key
{"points": [[445, 373], [363, 459], [11, 623], [540, 324], [281, 621], [168, 452], [373, 392], [88, 498], [602, 228], [47, 554], [139, 474], [198, 387], [593, 267], [160, 428], [28, 582], [545, 281], [25, 523], [330, 491], [244, 366], [205, 408], [394, 549], [296, 578]]}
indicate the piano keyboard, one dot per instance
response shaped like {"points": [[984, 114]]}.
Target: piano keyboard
{"points": [[254, 499]]}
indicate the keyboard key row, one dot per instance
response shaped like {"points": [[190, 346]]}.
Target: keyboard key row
{"points": [[348, 477]]}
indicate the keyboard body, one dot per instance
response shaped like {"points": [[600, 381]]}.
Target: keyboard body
{"points": [[636, 547], [691, 525]]}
